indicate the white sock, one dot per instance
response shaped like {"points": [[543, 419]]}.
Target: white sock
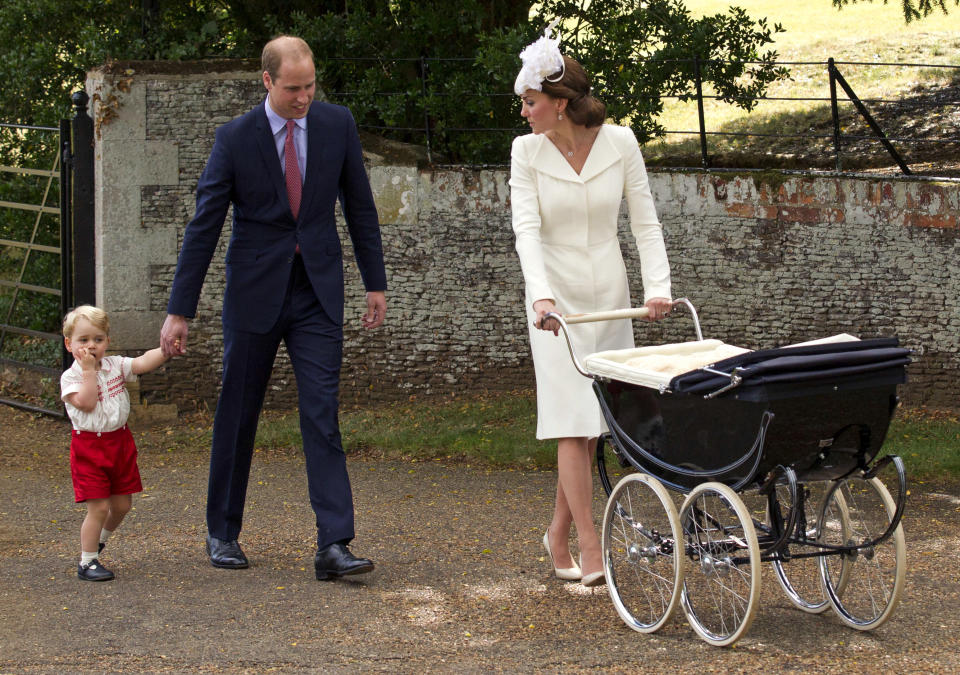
{"points": [[104, 535], [87, 558]]}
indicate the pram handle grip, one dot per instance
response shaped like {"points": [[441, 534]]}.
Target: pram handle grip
{"points": [[631, 313], [609, 315]]}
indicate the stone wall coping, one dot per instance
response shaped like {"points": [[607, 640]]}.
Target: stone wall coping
{"points": [[221, 68]]}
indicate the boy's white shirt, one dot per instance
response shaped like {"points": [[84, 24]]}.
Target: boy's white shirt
{"points": [[113, 404]]}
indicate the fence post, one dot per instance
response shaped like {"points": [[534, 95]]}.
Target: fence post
{"points": [[426, 111], [868, 118], [832, 72], [84, 255], [150, 10], [704, 159], [66, 244]]}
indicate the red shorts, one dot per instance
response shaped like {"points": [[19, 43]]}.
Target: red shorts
{"points": [[103, 464]]}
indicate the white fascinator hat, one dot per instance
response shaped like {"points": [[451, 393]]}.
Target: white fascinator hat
{"points": [[540, 59]]}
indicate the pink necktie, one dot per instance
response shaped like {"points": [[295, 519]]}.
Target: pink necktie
{"points": [[292, 170]]}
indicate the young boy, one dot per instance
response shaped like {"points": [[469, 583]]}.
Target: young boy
{"points": [[103, 456]]}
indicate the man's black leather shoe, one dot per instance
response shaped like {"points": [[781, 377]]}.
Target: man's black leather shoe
{"points": [[226, 554], [336, 560]]}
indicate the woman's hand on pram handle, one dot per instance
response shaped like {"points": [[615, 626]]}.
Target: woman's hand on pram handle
{"points": [[543, 322], [549, 319], [659, 308]]}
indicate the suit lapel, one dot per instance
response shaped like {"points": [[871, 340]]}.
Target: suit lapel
{"points": [[315, 155], [268, 151]]}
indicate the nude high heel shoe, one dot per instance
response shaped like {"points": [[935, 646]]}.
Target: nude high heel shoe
{"points": [[592, 579], [567, 573]]}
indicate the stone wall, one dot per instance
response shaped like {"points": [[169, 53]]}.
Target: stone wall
{"points": [[767, 258]]}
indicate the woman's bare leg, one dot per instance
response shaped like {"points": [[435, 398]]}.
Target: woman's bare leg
{"points": [[559, 530], [574, 468]]}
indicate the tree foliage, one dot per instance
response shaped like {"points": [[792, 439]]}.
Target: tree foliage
{"points": [[417, 66], [639, 51], [912, 9]]}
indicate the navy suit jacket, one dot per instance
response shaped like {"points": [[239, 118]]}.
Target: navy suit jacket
{"points": [[244, 169]]}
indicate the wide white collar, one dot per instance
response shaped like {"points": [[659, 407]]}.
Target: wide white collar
{"points": [[547, 158]]}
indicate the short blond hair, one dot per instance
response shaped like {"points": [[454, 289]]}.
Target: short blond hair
{"points": [[96, 316]]}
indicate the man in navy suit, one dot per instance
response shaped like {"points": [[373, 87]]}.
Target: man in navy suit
{"points": [[282, 166]]}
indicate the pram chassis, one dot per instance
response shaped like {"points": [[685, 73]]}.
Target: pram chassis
{"points": [[807, 450]]}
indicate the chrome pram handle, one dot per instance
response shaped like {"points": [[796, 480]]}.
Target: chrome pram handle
{"points": [[613, 315]]}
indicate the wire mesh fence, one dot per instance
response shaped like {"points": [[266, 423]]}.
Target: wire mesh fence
{"points": [[804, 122]]}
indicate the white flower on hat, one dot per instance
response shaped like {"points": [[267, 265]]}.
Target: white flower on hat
{"points": [[540, 59]]}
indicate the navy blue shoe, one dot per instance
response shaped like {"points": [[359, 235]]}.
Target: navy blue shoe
{"points": [[94, 571]]}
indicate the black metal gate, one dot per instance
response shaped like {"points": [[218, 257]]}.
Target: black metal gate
{"points": [[46, 252]]}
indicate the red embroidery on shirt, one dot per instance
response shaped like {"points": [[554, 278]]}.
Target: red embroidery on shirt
{"points": [[116, 386]]}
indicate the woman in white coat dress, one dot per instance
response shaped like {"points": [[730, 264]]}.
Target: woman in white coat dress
{"points": [[567, 181]]}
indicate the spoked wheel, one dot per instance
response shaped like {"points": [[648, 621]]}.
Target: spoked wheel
{"points": [[864, 585], [641, 553], [800, 577], [721, 577]]}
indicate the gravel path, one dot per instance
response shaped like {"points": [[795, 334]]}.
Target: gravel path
{"points": [[461, 583]]}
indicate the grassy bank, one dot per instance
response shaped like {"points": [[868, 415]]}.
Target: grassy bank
{"points": [[871, 34], [496, 429], [499, 430], [928, 442]]}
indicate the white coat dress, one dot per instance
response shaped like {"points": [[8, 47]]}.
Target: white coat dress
{"points": [[566, 238]]}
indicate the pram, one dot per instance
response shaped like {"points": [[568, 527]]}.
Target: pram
{"points": [[797, 429]]}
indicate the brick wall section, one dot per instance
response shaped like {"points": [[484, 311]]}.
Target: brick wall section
{"points": [[767, 258]]}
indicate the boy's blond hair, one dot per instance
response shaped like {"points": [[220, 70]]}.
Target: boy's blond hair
{"points": [[94, 315]]}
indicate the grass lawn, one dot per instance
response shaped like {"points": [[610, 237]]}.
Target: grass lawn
{"points": [[816, 28], [868, 33], [928, 442], [498, 429]]}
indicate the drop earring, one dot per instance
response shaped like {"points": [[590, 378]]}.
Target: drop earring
{"points": [[560, 116]]}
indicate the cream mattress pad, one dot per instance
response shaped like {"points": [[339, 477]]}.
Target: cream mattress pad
{"points": [[655, 365]]}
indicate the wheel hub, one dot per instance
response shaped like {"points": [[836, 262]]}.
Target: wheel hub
{"points": [[710, 565], [636, 553]]}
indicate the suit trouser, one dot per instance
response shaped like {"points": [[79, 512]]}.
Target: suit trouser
{"points": [[315, 345]]}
